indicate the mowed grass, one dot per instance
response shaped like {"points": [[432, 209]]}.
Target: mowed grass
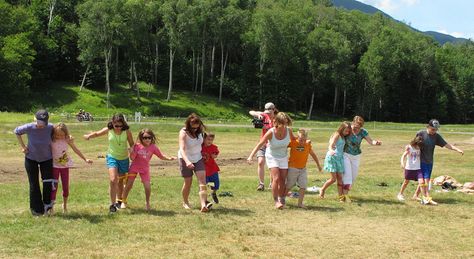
{"points": [[245, 225]]}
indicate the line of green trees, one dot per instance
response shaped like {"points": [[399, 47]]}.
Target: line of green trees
{"points": [[305, 55]]}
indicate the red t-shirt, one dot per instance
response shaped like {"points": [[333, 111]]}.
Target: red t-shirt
{"points": [[267, 123], [209, 162]]}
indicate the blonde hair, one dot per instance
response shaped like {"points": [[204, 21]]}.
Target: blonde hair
{"points": [[282, 119], [344, 125], [62, 127], [303, 133], [358, 120]]}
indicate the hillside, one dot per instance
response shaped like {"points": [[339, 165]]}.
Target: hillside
{"points": [[68, 99], [441, 38]]}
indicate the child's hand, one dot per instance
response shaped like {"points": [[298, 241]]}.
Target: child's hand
{"points": [[130, 150], [320, 169], [332, 152], [87, 136], [89, 161], [249, 160], [214, 155], [25, 150], [172, 158]]}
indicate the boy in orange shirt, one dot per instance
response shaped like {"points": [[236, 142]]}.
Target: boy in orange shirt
{"points": [[300, 148]]}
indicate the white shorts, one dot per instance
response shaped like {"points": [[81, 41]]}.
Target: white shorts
{"points": [[272, 162]]}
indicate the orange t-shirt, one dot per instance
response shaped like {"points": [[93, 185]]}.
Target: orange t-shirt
{"points": [[298, 154]]}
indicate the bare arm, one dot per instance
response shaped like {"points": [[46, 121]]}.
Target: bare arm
{"points": [[133, 154], [403, 159], [372, 142], [130, 138], [451, 147], [182, 149], [332, 143], [24, 148], [96, 133], [77, 151], [256, 114], [316, 159], [262, 142]]}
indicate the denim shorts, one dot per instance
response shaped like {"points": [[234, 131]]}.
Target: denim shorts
{"points": [[214, 179], [121, 165], [426, 169]]}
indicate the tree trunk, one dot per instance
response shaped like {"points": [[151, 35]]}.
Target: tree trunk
{"points": [[155, 72], [311, 104], [116, 64], [84, 77], [107, 56], [223, 66], [52, 4], [136, 81], [197, 76], [260, 89], [344, 103], [170, 82], [130, 77], [194, 66], [336, 93], [202, 66], [212, 60]]}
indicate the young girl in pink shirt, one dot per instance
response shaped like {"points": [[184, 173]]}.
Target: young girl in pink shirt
{"points": [[61, 140], [141, 154]]}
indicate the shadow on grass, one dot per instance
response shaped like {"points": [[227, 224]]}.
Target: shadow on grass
{"points": [[92, 218], [315, 208], [153, 212], [232, 211], [359, 201], [451, 201]]}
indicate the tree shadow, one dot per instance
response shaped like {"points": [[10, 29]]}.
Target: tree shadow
{"points": [[92, 218]]}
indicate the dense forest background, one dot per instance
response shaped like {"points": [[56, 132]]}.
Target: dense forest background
{"points": [[303, 55]]}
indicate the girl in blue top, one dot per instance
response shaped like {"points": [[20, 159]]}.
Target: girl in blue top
{"points": [[334, 161], [352, 153], [276, 155]]}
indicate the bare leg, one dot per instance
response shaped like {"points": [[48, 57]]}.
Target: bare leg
{"points": [[147, 187], [120, 187], [127, 188], [327, 184], [185, 191], [261, 169], [300, 198], [65, 204], [275, 171], [113, 177], [404, 186], [201, 177], [339, 184]]}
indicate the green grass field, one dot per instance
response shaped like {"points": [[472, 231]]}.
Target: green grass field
{"points": [[246, 225]]}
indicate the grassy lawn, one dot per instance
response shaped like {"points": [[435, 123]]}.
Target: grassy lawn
{"points": [[245, 225]]}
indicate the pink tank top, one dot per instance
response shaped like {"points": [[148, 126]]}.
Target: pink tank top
{"points": [[61, 158]]}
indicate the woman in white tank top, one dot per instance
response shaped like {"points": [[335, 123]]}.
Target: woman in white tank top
{"points": [[190, 160], [276, 155]]}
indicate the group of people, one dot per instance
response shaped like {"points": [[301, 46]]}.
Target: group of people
{"points": [[46, 153], [342, 159]]}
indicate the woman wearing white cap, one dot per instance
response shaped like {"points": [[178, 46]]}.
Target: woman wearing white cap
{"points": [[267, 116]]}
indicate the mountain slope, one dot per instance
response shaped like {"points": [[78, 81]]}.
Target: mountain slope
{"points": [[356, 5]]}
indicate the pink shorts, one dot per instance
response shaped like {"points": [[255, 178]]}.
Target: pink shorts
{"points": [[144, 174]]}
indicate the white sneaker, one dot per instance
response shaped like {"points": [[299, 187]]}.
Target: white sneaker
{"points": [[313, 189], [123, 205], [400, 197]]}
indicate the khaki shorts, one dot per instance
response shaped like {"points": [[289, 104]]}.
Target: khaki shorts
{"points": [[297, 177]]}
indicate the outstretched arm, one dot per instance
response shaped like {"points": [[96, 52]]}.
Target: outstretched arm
{"points": [[256, 114], [449, 146], [262, 142], [96, 133], [316, 159], [373, 142], [77, 151]]}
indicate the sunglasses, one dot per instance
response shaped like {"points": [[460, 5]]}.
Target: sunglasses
{"points": [[118, 126], [147, 137]]}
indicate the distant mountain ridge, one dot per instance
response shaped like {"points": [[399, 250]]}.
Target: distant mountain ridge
{"points": [[365, 8]]}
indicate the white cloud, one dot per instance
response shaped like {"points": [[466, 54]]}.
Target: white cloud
{"points": [[454, 33], [390, 5]]}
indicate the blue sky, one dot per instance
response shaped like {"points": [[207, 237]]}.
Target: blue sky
{"points": [[453, 17]]}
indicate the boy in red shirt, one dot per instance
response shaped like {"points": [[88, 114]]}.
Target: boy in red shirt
{"points": [[209, 153]]}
